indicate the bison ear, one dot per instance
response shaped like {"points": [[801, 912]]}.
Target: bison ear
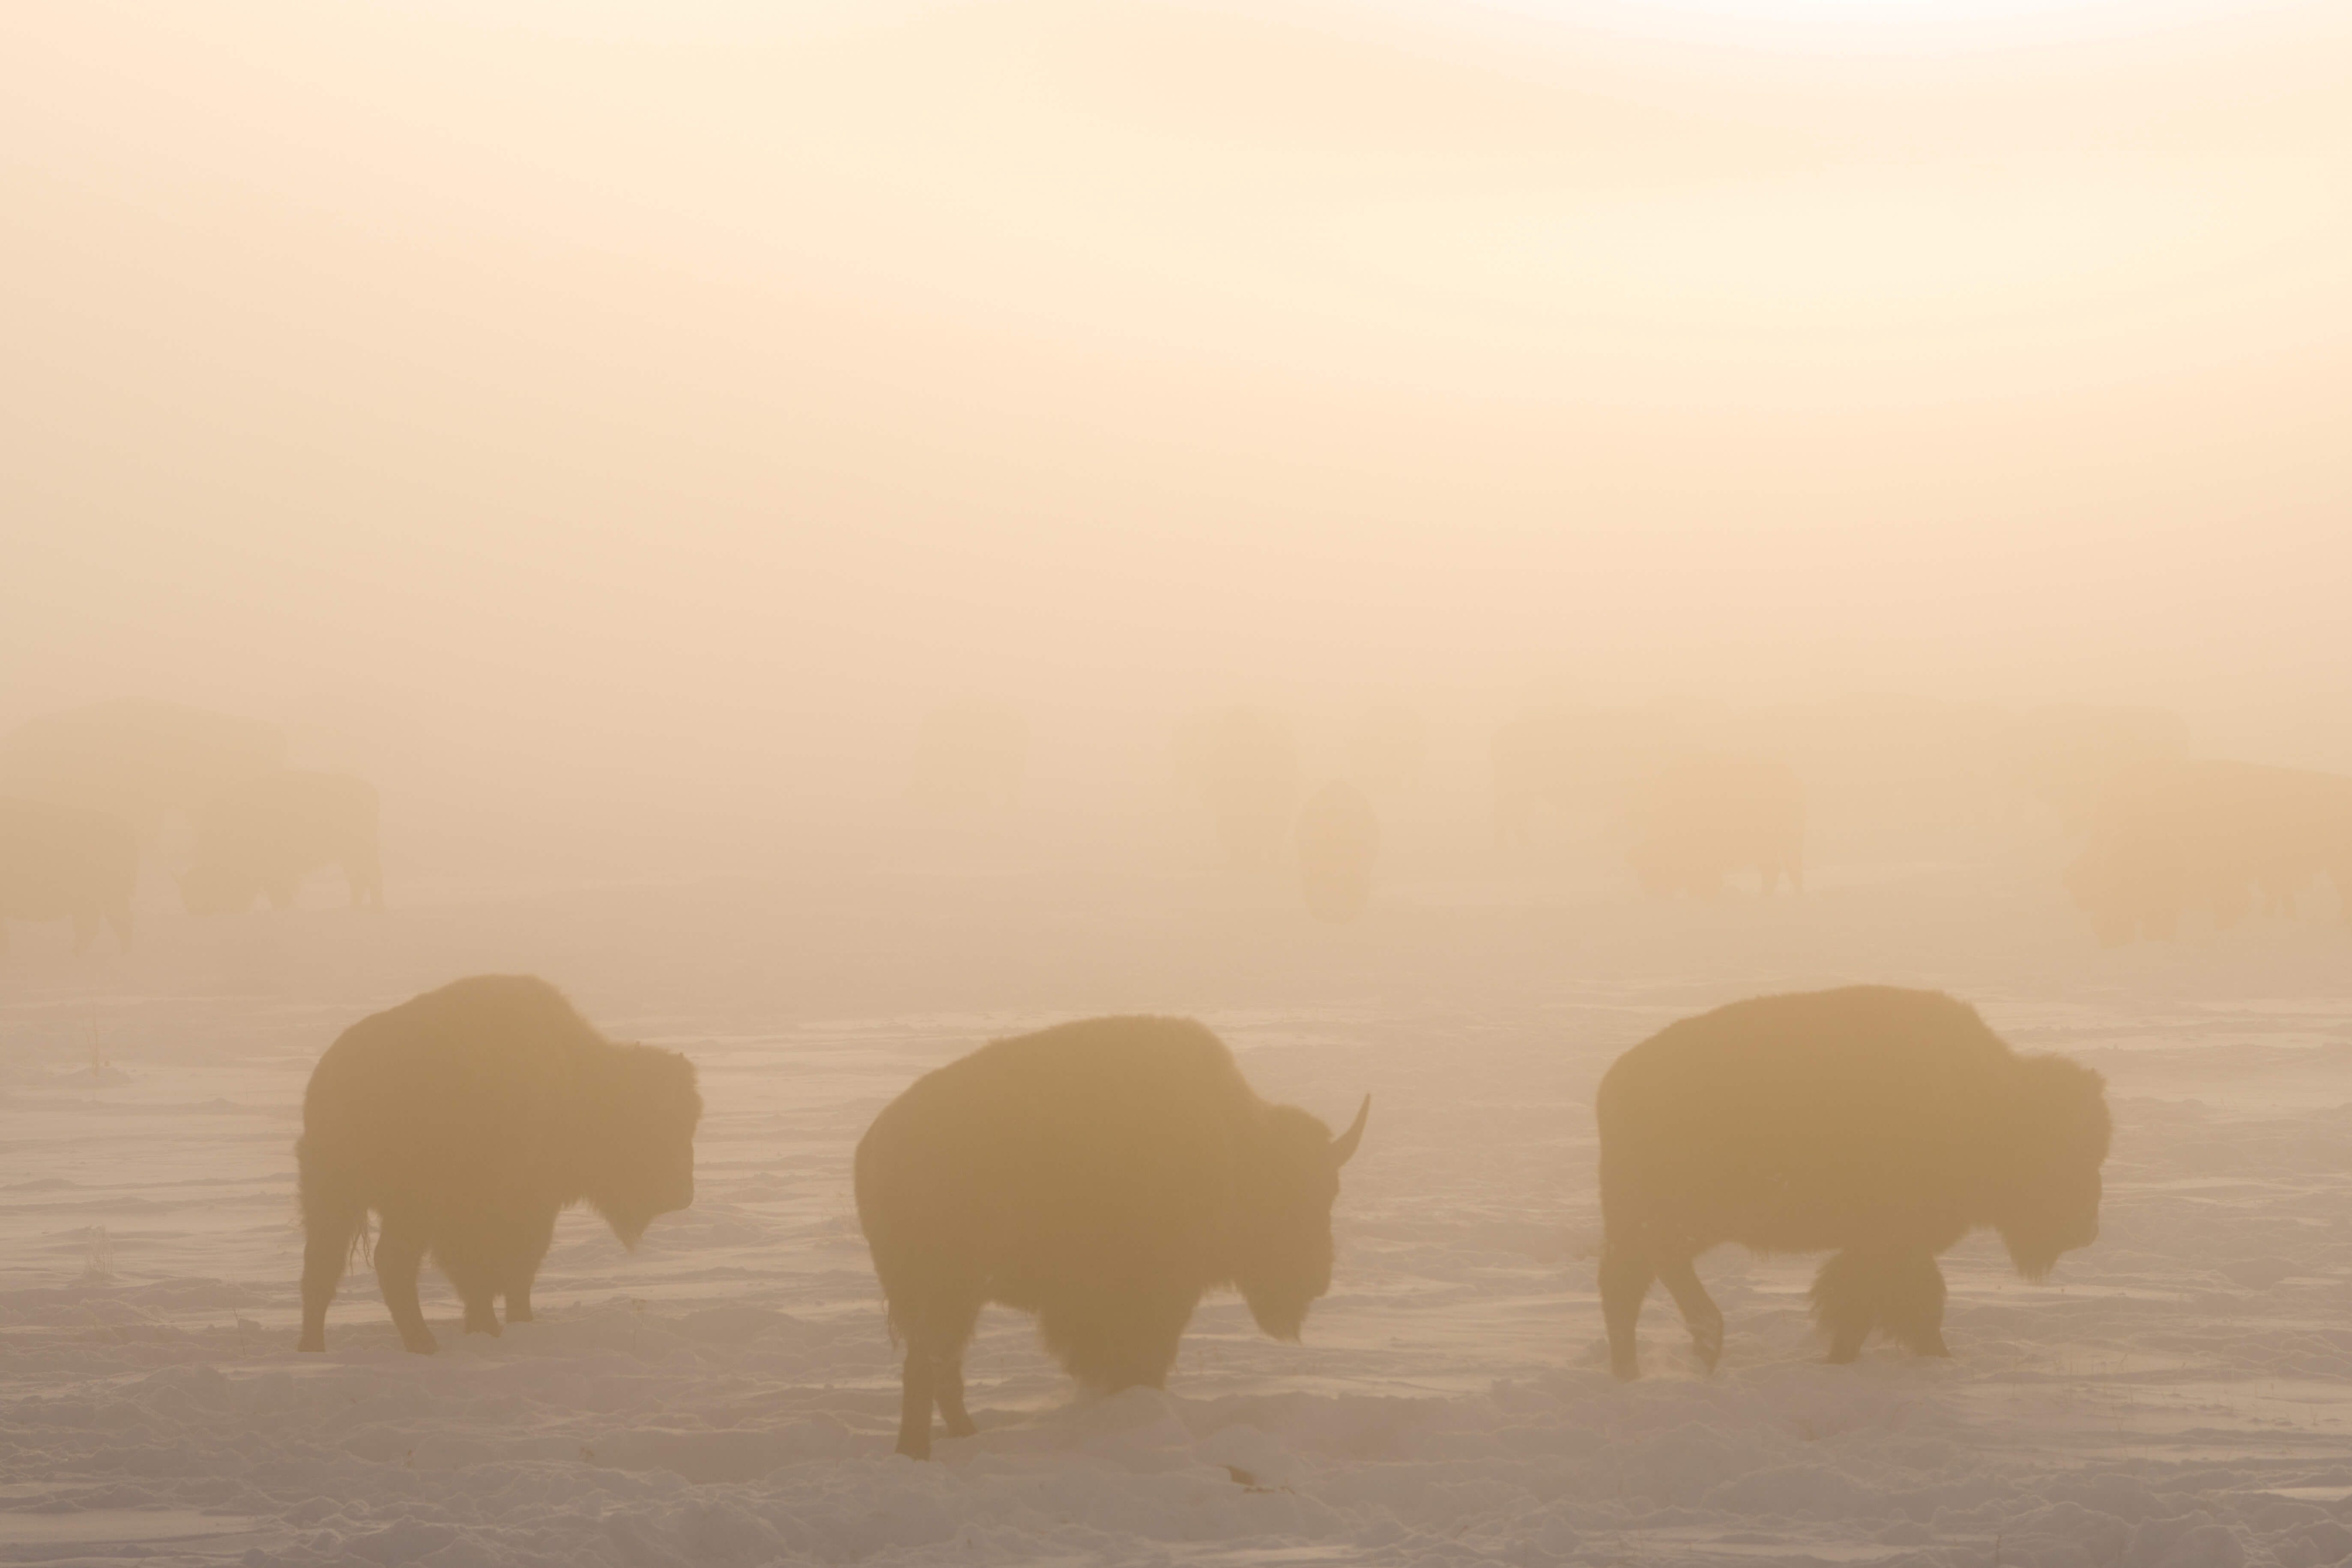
{"points": [[1343, 1148]]}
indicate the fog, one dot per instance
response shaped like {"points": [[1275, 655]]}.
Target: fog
{"points": [[648, 418], [1438, 539]]}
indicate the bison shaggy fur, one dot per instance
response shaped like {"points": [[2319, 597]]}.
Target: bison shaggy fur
{"points": [[467, 1119], [1883, 1123], [1103, 1175]]}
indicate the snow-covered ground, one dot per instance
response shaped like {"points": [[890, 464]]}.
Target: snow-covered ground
{"points": [[2181, 1393]]}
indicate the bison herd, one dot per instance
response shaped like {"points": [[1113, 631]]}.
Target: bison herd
{"points": [[83, 790], [1104, 1175], [1685, 800]]}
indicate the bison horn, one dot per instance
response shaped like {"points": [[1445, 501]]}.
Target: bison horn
{"points": [[1343, 1148]]}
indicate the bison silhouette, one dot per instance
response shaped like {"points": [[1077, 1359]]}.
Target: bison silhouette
{"points": [[1103, 1175], [1701, 818], [264, 835], [467, 1119], [1338, 841], [60, 862], [2220, 837], [135, 758], [1883, 1123]]}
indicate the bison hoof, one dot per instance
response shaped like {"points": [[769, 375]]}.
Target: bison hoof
{"points": [[1626, 1371], [312, 1342], [963, 1428], [484, 1326]]}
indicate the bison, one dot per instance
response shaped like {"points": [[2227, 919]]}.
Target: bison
{"points": [[59, 862], [1338, 841], [2222, 836], [1243, 766], [467, 1119], [1881, 1122], [1103, 1175], [265, 833], [135, 758], [1702, 817]]}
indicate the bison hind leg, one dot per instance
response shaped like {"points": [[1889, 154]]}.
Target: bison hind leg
{"points": [[332, 1233], [399, 1252], [937, 1325], [1700, 1315], [1625, 1278]]}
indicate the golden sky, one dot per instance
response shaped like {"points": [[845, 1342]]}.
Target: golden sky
{"points": [[654, 374]]}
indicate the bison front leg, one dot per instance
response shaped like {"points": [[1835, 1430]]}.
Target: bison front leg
{"points": [[1845, 1302], [1700, 1315], [472, 1252], [1912, 1303], [1626, 1276], [530, 1250], [399, 1253]]}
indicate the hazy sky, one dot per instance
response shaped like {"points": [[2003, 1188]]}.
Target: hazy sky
{"points": [[573, 376]]}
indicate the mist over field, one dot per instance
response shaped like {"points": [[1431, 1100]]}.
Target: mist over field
{"points": [[1436, 538]]}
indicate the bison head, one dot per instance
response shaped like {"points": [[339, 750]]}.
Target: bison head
{"points": [[1288, 1178], [640, 1163], [2048, 1188]]}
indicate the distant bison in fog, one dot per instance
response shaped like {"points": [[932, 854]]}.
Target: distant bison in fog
{"points": [[1241, 764], [2074, 756], [1881, 1122], [1102, 1175], [1338, 841], [1699, 819], [265, 833], [135, 758], [467, 1119], [2169, 838], [60, 862]]}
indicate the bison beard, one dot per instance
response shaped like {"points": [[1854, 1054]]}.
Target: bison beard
{"points": [[1102, 1175], [1880, 1124], [467, 1119]]}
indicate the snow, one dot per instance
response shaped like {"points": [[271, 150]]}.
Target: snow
{"points": [[2178, 1395]]}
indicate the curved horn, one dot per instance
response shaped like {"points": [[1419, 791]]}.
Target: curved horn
{"points": [[1343, 1147]]}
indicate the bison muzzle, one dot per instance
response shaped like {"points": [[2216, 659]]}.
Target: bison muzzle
{"points": [[1883, 1123], [1103, 1175]]}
